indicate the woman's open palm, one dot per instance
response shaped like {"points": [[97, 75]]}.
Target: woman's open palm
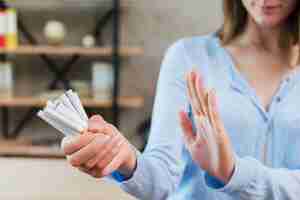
{"points": [[209, 144]]}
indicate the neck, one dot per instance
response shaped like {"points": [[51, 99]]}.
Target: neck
{"points": [[260, 37], [267, 39]]}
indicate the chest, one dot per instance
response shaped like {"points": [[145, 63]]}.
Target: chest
{"points": [[262, 72], [252, 133]]}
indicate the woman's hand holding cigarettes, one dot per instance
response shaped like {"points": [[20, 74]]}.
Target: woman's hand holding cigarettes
{"points": [[100, 150]]}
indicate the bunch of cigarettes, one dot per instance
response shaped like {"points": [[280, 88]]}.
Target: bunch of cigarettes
{"points": [[66, 114]]}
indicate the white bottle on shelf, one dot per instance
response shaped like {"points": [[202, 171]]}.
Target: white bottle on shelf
{"points": [[6, 79], [102, 81]]}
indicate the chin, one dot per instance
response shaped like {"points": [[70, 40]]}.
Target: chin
{"points": [[270, 22]]}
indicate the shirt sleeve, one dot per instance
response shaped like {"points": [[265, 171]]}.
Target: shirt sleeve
{"points": [[252, 180], [159, 169]]}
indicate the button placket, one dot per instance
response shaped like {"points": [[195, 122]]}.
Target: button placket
{"points": [[262, 143], [267, 144], [281, 93]]}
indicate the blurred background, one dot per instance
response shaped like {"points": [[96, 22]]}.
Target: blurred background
{"points": [[109, 51]]}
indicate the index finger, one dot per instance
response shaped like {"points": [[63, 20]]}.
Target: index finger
{"points": [[103, 128], [71, 145], [193, 98], [96, 123], [201, 92]]}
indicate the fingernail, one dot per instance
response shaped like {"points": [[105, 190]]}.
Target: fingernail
{"points": [[193, 73], [211, 95], [214, 101], [187, 76], [214, 91], [198, 79]]}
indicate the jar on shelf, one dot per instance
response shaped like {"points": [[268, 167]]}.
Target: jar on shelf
{"points": [[6, 79], [102, 81]]}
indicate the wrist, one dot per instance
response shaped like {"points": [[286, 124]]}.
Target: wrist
{"points": [[225, 177], [227, 166], [129, 166]]}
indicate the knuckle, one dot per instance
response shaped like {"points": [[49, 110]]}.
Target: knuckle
{"points": [[96, 148], [111, 128], [74, 162], [93, 125], [99, 143], [97, 116], [68, 145], [101, 165], [89, 165]]}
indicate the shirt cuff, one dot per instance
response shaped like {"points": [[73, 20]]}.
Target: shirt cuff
{"points": [[213, 182], [243, 174], [138, 174], [117, 176]]}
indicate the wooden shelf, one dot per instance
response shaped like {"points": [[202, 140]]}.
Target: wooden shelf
{"points": [[58, 4], [71, 50], [19, 149], [125, 102]]}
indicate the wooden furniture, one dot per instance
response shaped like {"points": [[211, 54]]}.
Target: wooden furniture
{"points": [[26, 149], [72, 50], [113, 53], [125, 102]]}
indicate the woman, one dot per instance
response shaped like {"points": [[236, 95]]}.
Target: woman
{"points": [[245, 143]]}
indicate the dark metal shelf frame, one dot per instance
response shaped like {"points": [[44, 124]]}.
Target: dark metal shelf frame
{"points": [[60, 75]]}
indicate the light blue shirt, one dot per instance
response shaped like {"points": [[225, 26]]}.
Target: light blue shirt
{"points": [[267, 143]]}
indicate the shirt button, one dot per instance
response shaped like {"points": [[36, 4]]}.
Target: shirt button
{"points": [[278, 99]]}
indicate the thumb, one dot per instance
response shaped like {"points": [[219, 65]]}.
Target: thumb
{"points": [[65, 141], [95, 123], [97, 118]]}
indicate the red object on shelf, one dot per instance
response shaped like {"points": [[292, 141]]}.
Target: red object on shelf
{"points": [[3, 28], [2, 41]]}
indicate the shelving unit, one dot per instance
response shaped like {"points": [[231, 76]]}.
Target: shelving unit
{"points": [[25, 149], [86, 5], [72, 50], [123, 102], [114, 53]]}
